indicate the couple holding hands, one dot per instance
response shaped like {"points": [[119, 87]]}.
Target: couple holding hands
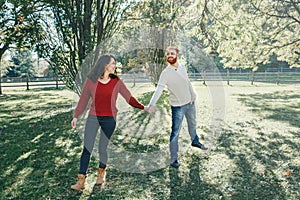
{"points": [[102, 86]]}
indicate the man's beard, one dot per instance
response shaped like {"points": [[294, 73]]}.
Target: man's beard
{"points": [[172, 60]]}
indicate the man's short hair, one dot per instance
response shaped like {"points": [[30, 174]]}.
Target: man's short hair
{"points": [[173, 48]]}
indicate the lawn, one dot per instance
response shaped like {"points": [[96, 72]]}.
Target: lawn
{"points": [[253, 134]]}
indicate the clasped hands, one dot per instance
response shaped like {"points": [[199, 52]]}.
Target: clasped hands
{"points": [[149, 109]]}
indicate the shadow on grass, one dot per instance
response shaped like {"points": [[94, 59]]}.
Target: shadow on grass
{"points": [[192, 187], [168, 183], [142, 127], [276, 152], [163, 183], [260, 165], [40, 156], [286, 111], [38, 149]]}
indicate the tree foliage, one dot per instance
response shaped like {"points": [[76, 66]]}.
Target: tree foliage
{"points": [[20, 24], [155, 28], [247, 33], [83, 29], [70, 34], [22, 64]]}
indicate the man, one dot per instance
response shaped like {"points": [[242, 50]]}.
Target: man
{"points": [[182, 99]]}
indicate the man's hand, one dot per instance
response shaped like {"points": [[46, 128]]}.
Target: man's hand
{"points": [[149, 109]]}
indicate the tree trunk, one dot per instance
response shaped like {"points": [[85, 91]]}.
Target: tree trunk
{"points": [[0, 79], [2, 51], [87, 21]]}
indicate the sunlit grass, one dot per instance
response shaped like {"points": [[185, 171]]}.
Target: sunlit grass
{"points": [[253, 155]]}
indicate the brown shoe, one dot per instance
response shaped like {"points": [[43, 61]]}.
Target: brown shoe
{"points": [[80, 182], [101, 176]]}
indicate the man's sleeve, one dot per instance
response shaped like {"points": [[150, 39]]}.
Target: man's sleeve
{"points": [[191, 89], [159, 89], [193, 94]]}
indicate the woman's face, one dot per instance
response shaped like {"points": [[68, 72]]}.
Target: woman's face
{"points": [[111, 66]]}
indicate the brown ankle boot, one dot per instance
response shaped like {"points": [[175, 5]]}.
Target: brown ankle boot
{"points": [[80, 182], [101, 176]]}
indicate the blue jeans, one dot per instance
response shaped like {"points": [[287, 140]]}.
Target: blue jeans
{"points": [[178, 112], [108, 125]]}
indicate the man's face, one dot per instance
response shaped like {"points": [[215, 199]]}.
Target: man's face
{"points": [[171, 56]]}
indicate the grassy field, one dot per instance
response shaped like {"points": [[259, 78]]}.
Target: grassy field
{"points": [[253, 134]]}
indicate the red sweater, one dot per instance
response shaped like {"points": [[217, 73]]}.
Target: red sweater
{"points": [[103, 98]]}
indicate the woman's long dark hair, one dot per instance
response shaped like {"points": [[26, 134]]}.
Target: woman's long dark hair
{"points": [[98, 69]]}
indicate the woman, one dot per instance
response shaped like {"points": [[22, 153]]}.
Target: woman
{"points": [[102, 87]]}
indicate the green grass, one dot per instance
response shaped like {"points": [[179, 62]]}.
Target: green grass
{"points": [[256, 144]]}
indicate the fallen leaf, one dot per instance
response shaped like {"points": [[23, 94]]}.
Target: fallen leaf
{"points": [[287, 173]]}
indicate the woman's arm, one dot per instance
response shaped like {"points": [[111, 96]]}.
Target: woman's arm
{"points": [[84, 98], [128, 97]]}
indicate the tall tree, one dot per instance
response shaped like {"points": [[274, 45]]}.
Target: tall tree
{"points": [[83, 29], [155, 28], [22, 64], [20, 25], [247, 33]]}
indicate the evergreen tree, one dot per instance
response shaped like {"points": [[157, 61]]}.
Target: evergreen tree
{"points": [[23, 65]]}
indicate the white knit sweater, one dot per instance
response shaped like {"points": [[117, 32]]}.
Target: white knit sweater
{"points": [[179, 86]]}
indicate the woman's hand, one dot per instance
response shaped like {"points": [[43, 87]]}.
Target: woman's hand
{"points": [[74, 122]]}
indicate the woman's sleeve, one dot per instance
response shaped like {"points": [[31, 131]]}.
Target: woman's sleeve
{"points": [[128, 97], [84, 99]]}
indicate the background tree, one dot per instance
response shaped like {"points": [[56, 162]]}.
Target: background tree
{"points": [[247, 33], [22, 64], [70, 34], [83, 31], [155, 28], [20, 25], [273, 65]]}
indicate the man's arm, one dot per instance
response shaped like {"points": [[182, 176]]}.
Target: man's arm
{"points": [[158, 91], [191, 89]]}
